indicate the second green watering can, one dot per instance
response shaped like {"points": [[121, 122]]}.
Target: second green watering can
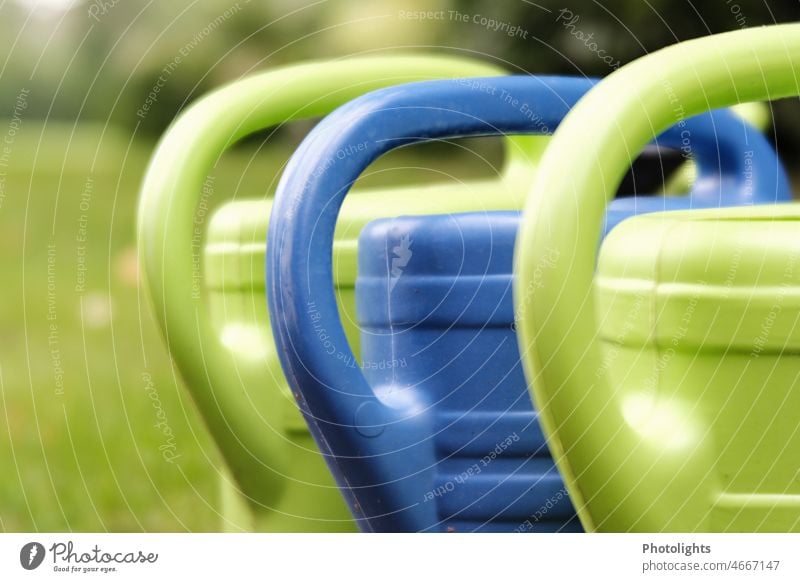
{"points": [[666, 374], [210, 303]]}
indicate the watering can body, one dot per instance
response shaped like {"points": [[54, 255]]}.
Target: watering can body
{"points": [[665, 373], [701, 325], [436, 317], [406, 443], [207, 286]]}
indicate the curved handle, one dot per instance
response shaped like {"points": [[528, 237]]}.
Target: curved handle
{"points": [[735, 163], [339, 404], [564, 213], [169, 197]]}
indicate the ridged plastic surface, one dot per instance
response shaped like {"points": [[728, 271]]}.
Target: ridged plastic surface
{"points": [[677, 412], [436, 314], [378, 438]]}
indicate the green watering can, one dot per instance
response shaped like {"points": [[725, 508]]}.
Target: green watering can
{"points": [[667, 380], [215, 318]]}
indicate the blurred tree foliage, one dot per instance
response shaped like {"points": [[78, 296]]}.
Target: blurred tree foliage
{"points": [[100, 59]]}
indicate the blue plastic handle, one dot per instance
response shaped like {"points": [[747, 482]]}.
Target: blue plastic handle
{"points": [[735, 166], [344, 413]]}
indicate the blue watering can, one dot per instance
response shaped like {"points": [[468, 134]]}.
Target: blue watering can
{"points": [[432, 433]]}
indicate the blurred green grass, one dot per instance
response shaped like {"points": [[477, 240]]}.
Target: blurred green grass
{"points": [[81, 453]]}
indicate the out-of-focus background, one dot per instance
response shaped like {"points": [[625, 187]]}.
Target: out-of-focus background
{"points": [[78, 443]]}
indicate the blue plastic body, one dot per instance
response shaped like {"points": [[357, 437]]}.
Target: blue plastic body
{"points": [[436, 316], [388, 438]]}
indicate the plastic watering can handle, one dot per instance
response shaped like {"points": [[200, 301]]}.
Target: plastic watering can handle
{"points": [[334, 395], [558, 336], [172, 189], [342, 410], [736, 165]]}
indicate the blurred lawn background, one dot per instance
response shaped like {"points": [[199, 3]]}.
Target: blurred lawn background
{"points": [[78, 446]]}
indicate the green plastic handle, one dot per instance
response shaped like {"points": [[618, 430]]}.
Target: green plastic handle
{"points": [[563, 217], [169, 197]]}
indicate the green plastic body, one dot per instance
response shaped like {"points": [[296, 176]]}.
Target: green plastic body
{"points": [[651, 435], [700, 335], [215, 319]]}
